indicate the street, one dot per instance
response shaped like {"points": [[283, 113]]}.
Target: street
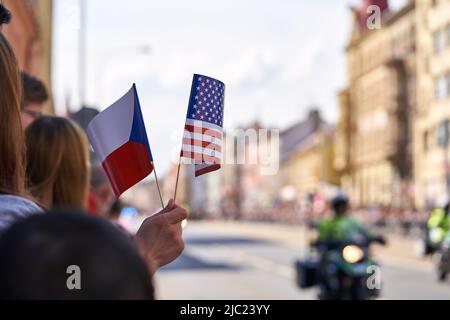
{"points": [[232, 260]]}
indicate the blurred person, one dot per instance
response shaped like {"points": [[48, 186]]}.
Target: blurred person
{"points": [[159, 238], [5, 16], [344, 254], [115, 211], [438, 225], [15, 202], [57, 163], [101, 195], [341, 225], [58, 176], [35, 96], [36, 253]]}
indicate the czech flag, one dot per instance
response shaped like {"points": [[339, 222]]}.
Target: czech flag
{"points": [[120, 141]]}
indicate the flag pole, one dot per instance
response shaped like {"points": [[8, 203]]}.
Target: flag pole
{"points": [[157, 185], [178, 177]]}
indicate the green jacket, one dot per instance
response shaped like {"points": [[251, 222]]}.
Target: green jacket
{"points": [[439, 219], [340, 228]]}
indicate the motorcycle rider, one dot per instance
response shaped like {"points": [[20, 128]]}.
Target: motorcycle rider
{"points": [[332, 232], [341, 226], [438, 225]]}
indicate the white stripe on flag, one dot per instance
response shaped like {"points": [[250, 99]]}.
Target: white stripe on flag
{"points": [[202, 137], [200, 150], [111, 129]]}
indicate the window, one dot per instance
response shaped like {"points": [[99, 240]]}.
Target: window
{"points": [[447, 31], [440, 87], [439, 41], [447, 82], [442, 133]]}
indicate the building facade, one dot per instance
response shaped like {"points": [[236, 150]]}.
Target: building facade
{"points": [[307, 156], [433, 102], [374, 136]]}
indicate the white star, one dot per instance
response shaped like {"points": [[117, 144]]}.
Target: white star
{"points": [[215, 121], [207, 104], [203, 84], [198, 112], [212, 101], [206, 113], [210, 110], [196, 97], [210, 86], [198, 88], [209, 119], [201, 93], [204, 99], [193, 115], [201, 117], [209, 96], [195, 106], [203, 108], [207, 80]]}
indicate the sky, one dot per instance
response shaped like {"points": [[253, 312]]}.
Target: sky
{"points": [[277, 58]]}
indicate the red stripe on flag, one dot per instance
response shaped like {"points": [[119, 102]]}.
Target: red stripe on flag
{"points": [[127, 166], [205, 131], [206, 170]]}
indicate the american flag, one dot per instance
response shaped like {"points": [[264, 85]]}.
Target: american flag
{"points": [[203, 133]]}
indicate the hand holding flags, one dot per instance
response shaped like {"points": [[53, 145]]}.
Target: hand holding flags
{"points": [[119, 138], [120, 141], [203, 131]]}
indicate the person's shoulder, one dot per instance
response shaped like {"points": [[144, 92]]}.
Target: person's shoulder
{"points": [[11, 201], [13, 208], [352, 220], [322, 222]]}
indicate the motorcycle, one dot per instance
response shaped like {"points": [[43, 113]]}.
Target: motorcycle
{"points": [[342, 270], [442, 259], [431, 242]]}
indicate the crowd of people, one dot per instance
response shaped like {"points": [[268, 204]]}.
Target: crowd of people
{"points": [[57, 208]]}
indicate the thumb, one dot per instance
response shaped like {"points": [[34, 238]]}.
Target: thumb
{"points": [[176, 215], [169, 205]]}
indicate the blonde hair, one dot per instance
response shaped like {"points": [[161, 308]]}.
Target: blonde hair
{"points": [[57, 163], [12, 147]]}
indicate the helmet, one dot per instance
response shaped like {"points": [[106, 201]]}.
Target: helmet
{"points": [[339, 200]]}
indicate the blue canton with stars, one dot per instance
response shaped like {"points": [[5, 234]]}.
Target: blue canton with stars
{"points": [[207, 100]]}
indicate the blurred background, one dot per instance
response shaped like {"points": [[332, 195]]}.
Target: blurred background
{"points": [[356, 108]]}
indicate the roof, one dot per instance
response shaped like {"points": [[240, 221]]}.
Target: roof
{"points": [[299, 135]]}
